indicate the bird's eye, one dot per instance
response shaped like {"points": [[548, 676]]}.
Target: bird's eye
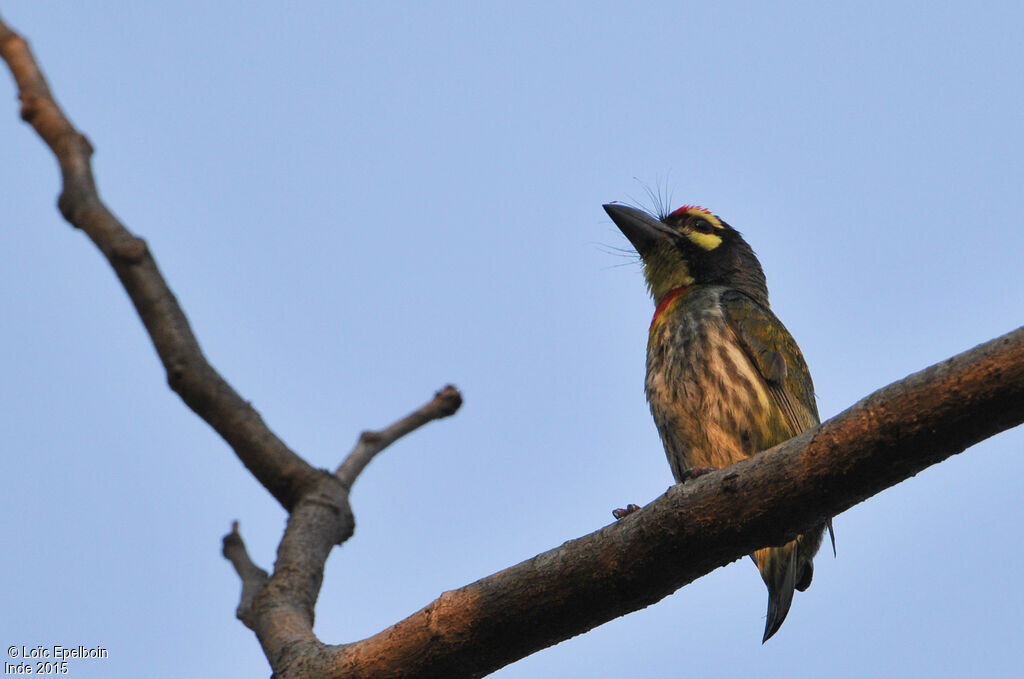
{"points": [[702, 226]]}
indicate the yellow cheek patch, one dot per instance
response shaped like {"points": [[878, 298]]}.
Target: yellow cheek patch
{"points": [[708, 241]]}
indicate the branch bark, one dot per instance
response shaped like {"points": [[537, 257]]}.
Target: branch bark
{"points": [[692, 529], [286, 475]]}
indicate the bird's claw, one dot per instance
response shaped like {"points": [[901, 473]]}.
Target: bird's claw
{"points": [[622, 513]]}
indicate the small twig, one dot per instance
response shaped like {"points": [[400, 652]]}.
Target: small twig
{"points": [[444, 403], [254, 578]]}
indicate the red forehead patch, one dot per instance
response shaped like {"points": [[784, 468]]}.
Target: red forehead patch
{"points": [[688, 208]]}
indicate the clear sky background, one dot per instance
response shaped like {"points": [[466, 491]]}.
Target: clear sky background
{"points": [[357, 203]]}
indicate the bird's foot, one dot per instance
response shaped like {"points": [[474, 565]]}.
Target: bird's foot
{"points": [[622, 513], [694, 472]]}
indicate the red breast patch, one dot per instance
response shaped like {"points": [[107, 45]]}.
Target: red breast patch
{"points": [[671, 296]]}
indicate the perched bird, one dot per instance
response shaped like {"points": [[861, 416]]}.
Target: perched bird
{"points": [[725, 379]]}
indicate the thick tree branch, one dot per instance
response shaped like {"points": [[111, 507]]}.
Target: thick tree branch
{"points": [[280, 470]]}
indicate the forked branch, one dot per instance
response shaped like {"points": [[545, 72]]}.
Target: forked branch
{"points": [[281, 609]]}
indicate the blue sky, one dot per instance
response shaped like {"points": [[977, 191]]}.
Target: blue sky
{"points": [[357, 203]]}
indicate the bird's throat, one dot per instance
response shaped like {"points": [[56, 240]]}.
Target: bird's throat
{"points": [[666, 301]]}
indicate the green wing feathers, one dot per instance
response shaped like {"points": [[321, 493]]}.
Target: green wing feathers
{"points": [[775, 354]]}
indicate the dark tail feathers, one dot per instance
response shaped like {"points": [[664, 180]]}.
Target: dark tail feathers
{"points": [[785, 569], [778, 566]]}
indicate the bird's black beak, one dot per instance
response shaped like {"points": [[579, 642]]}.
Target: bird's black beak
{"points": [[642, 230]]}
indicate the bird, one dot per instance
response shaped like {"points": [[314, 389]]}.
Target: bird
{"points": [[725, 379]]}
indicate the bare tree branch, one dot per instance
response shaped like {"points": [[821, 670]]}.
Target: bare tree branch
{"points": [[280, 470], [282, 613], [444, 403], [281, 610]]}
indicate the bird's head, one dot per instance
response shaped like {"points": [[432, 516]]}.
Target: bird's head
{"points": [[690, 246]]}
